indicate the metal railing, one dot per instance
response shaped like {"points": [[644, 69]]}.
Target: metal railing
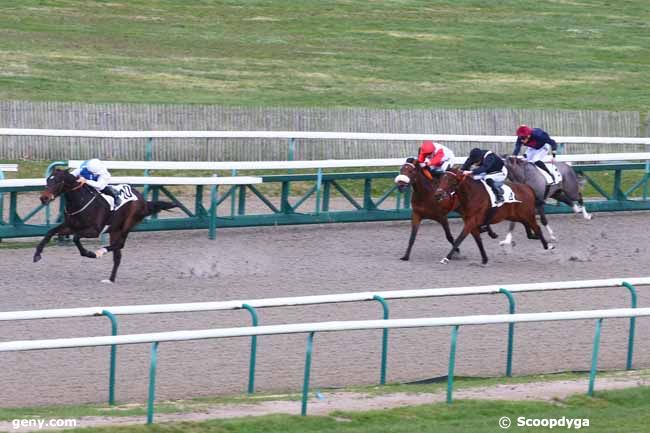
{"points": [[111, 312], [312, 328]]}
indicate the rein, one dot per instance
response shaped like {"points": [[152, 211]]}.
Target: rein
{"points": [[83, 208]]}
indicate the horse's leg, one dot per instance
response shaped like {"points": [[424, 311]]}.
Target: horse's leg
{"points": [[586, 215], [544, 220], [537, 230], [117, 259], [61, 229], [416, 219], [83, 251], [479, 242], [444, 222], [459, 239], [508, 240]]}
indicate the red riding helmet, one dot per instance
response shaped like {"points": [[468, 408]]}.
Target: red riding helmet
{"points": [[427, 147], [524, 131]]}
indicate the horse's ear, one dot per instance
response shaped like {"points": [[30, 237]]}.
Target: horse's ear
{"points": [[410, 160]]}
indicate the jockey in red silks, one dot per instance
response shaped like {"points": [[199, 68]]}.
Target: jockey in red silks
{"points": [[436, 157], [538, 142]]}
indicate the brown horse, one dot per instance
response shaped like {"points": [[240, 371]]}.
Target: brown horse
{"points": [[474, 205], [88, 215], [423, 202]]}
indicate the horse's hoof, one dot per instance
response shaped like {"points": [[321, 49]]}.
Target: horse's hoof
{"points": [[550, 247], [404, 259], [107, 282], [37, 258], [100, 252], [504, 243], [588, 217], [493, 235], [444, 261]]}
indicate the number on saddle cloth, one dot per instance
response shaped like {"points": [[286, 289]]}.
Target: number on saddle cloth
{"points": [[125, 193], [508, 195]]}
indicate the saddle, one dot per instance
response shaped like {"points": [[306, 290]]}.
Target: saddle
{"points": [[508, 195], [126, 194], [556, 174]]}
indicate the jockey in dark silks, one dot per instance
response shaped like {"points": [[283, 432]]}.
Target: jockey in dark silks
{"points": [[490, 167], [95, 174], [493, 171], [539, 143]]}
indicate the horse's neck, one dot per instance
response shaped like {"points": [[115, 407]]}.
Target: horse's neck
{"points": [[425, 185]]}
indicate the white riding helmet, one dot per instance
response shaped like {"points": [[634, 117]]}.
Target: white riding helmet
{"points": [[94, 165]]}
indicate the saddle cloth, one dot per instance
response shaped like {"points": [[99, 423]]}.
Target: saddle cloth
{"points": [[508, 195], [126, 194], [556, 174]]}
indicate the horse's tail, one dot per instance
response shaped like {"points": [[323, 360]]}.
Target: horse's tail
{"points": [[158, 205]]}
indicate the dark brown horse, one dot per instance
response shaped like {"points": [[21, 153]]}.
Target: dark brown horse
{"points": [[88, 215], [423, 202], [474, 204]]}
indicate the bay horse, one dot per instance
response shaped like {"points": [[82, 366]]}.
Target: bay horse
{"points": [[424, 204], [568, 191], [88, 215], [474, 204]]}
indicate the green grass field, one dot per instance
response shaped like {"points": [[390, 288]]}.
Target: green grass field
{"points": [[585, 54], [610, 412]]}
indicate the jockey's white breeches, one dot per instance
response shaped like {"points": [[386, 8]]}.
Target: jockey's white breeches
{"points": [[447, 161], [534, 155], [498, 177]]}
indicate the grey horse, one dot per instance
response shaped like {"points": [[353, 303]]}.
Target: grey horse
{"points": [[567, 191]]}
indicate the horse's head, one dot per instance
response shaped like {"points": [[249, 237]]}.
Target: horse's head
{"points": [[58, 182], [516, 167], [406, 174], [448, 184]]}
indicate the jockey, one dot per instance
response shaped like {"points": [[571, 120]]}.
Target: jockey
{"points": [[436, 157], [539, 143], [94, 173], [490, 167]]}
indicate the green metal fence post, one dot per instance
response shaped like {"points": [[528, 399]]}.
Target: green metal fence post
{"points": [[111, 377], [630, 340], [384, 340], [305, 383], [212, 232], [511, 330], [233, 196], [152, 382], [319, 183], [594, 358], [452, 362], [148, 156], [251, 367]]}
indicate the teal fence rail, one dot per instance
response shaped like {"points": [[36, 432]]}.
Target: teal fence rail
{"points": [[309, 199]]}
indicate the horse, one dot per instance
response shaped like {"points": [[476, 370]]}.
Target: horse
{"points": [[88, 215], [474, 205], [424, 205], [567, 191]]}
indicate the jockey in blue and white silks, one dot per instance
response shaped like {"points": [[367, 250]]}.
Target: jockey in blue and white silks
{"points": [[94, 173]]}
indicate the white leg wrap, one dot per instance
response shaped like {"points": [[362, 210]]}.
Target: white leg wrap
{"points": [[507, 240], [550, 232], [100, 252], [586, 215]]}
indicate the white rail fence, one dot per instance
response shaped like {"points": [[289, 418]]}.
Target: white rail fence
{"points": [[322, 140], [382, 297], [312, 328]]}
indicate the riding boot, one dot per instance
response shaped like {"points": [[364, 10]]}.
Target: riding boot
{"points": [[543, 166], [109, 190], [498, 192]]}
